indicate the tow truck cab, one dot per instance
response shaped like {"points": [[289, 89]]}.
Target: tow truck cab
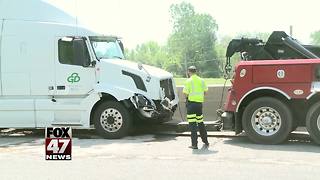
{"points": [[274, 89]]}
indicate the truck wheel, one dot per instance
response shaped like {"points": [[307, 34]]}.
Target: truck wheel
{"points": [[267, 120], [112, 120], [313, 122]]}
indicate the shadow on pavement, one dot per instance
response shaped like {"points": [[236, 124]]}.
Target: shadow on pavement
{"points": [[296, 142], [82, 138], [204, 151]]}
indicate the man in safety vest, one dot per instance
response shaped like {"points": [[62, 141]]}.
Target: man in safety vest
{"points": [[195, 89]]}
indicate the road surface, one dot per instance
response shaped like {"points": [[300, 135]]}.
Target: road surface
{"points": [[158, 156]]}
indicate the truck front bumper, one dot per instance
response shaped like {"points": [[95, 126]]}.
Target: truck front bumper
{"points": [[228, 120], [162, 110], [232, 121]]}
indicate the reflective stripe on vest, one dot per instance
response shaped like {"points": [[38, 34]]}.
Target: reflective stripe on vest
{"points": [[193, 89]]}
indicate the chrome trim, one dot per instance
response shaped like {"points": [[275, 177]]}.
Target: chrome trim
{"points": [[310, 95], [66, 124], [313, 89], [261, 88]]}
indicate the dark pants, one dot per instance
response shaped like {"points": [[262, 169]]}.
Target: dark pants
{"points": [[195, 119]]}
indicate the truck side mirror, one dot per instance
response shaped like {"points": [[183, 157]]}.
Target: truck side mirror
{"points": [[93, 63], [121, 46], [81, 54]]}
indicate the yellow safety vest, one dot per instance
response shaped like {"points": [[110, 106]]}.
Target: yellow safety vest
{"points": [[195, 88]]}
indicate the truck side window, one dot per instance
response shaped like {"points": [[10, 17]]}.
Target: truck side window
{"points": [[73, 52]]}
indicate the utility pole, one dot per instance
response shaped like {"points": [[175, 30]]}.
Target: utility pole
{"points": [[291, 30]]}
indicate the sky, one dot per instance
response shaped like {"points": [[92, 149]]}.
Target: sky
{"points": [[138, 21]]}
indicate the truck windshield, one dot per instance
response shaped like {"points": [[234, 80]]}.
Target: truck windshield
{"points": [[106, 47]]}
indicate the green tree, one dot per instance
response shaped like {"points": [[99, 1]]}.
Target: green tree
{"points": [[223, 42], [315, 38], [221, 49], [193, 40], [150, 53]]}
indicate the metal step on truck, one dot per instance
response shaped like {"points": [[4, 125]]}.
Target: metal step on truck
{"points": [[275, 88], [55, 72]]}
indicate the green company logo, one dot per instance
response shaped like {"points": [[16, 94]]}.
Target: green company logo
{"points": [[73, 78]]}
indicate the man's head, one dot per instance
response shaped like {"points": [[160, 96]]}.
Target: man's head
{"points": [[192, 70]]}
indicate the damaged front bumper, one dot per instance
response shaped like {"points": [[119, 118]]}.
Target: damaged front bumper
{"points": [[154, 109]]}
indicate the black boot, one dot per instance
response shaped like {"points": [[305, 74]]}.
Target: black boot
{"points": [[203, 133], [193, 147]]}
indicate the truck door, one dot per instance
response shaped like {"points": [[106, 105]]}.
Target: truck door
{"points": [[74, 79]]}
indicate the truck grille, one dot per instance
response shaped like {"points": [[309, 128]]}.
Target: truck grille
{"points": [[167, 85]]}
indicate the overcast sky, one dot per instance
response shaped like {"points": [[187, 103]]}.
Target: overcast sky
{"points": [[138, 21]]}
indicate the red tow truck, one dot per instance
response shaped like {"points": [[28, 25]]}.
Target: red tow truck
{"points": [[274, 89]]}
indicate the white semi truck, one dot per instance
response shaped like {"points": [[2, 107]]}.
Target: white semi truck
{"points": [[54, 72]]}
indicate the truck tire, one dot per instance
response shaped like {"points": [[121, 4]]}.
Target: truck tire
{"points": [[313, 122], [267, 120], [112, 120]]}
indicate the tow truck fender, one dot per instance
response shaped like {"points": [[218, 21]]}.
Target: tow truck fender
{"points": [[262, 88]]}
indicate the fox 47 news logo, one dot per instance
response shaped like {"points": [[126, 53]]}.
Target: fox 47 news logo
{"points": [[58, 143]]}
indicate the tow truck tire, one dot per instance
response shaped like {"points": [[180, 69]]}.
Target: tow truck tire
{"points": [[112, 120], [313, 122], [267, 120]]}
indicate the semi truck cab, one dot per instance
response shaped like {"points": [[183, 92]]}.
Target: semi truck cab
{"points": [[56, 72]]}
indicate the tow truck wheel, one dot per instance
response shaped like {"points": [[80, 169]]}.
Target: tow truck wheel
{"points": [[112, 120], [267, 120], [313, 122]]}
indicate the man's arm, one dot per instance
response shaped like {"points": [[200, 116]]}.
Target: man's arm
{"points": [[186, 90], [185, 96]]}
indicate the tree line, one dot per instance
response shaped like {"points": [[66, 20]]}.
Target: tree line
{"points": [[193, 41]]}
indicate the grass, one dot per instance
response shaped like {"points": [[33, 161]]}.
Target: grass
{"points": [[209, 81]]}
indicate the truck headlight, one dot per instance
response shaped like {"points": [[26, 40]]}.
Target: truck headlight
{"points": [[166, 104], [140, 101]]}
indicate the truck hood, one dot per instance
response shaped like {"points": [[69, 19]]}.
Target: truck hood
{"points": [[124, 77], [133, 66]]}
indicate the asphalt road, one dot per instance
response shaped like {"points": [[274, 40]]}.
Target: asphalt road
{"points": [[158, 156]]}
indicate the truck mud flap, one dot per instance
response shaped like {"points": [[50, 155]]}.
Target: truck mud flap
{"points": [[238, 124]]}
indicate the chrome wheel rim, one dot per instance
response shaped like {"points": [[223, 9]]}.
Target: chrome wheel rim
{"points": [[111, 120], [318, 123], [266, 121]]}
